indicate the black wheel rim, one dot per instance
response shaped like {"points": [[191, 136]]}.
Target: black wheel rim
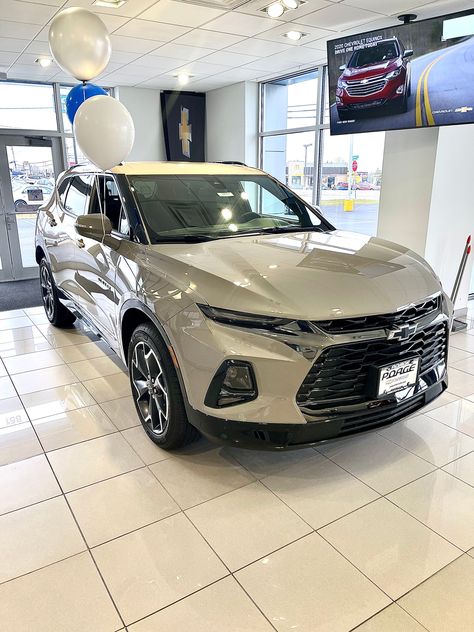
{"points": [[150, 388], [47, 291]]}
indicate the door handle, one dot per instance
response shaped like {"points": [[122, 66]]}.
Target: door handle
{"points": [[80, 243]]}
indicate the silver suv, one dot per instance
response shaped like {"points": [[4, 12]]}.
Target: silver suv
{"points": [[239, 310]]}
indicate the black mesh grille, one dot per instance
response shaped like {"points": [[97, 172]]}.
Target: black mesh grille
{"points": [[340, 375], [364, 323]]}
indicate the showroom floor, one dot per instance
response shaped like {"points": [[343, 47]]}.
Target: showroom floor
{"points": [[100, 529]]}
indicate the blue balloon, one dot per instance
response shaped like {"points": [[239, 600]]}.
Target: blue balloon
{"points": [[78, 95]]}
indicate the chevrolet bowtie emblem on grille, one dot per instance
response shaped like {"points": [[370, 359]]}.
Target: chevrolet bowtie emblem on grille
{"points": [[401, 332], [185, 133], [364, 81]]}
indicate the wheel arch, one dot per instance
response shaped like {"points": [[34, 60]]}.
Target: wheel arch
{"points": [[40, 254]]}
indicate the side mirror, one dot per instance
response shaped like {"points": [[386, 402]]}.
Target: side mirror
{"points": [[98, 227], [342, 68], [408, 53]]}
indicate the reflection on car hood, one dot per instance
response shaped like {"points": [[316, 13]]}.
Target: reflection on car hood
{"points": [[302, 275], [370, 70]]}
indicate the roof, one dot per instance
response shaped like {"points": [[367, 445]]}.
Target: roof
{"points": [[174, 168]]}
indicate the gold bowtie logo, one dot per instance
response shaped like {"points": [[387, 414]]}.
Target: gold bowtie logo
{"points": [[185, 133]]}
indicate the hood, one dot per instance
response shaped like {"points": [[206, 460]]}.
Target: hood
{"points": [[312, 276], [370, 70]]}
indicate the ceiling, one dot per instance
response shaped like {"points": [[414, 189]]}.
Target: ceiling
{"points": [[153, 41]]}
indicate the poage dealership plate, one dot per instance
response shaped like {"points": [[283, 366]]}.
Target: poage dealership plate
{"points": [[398, 376]]}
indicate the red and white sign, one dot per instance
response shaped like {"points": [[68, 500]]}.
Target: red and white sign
{"points": [[354, 165]]}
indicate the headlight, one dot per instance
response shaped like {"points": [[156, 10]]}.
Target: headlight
{"points": [[393, 74], [242, 319], [341, 84]]}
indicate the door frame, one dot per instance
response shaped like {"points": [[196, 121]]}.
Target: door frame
{"points": [[12, 266]]}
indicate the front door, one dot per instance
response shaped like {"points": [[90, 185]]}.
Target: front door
{"points": [[28, 170]]}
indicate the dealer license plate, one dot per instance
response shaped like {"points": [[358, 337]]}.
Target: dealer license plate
{"points": [[398, 376]]}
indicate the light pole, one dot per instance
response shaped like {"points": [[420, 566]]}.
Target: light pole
{"points": [[305, 162]]}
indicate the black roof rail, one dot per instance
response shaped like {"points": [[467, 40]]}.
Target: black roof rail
{"points": [[230, 162]]}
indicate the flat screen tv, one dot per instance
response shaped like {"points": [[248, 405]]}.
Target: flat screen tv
{"points": [[412, 75]]}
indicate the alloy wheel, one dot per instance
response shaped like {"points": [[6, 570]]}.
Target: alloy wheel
{"points": [[47, 291], [150, 388]]}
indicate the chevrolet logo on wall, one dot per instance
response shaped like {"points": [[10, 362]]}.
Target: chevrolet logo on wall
{"points": [[402, 332], [185, 133]]}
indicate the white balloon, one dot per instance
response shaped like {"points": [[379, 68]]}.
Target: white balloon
{"points": [[104, 131], [80, 43]]}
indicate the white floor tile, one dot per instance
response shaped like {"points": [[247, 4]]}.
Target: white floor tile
{"points": [[18, 442], [7, 390], [12, 412], [148, 451], [84, 351], [442, 400], [26, 482], [32, 361], [121, 504], [463, 468], [25, 543], [444, 602], [262, 463], [466, 364], [68, 595], [310, 586], [199, 474], [458, 415], [92, 461], [430, 440], [3, 371], [456, 355], [319, 491], [122, 412], [20, 347], [390, 547], [380, 463], [8, 336], [460, 383], [12, 313], [157, 565], [7, 324], [97, 367], [252, 516], [53, 401], [104, 389], [443, 503], [462, 341], [392, 619], [222, 607], [34, 381], [73, 426]]}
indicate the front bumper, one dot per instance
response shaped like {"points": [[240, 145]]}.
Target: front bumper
{"points": [[292, 436]]}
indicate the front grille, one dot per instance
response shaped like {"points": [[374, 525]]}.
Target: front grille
{"points": [[365, 87], [410, 314], [339, 376]]}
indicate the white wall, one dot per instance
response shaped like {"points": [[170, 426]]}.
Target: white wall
{"points": [[426, 201], [145, 108], [232, 123]]}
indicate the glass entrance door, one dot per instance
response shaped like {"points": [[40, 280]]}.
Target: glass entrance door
{"points": [[28, 169]]}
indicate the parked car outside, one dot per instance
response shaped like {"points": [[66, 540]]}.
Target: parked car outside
{"points": [[241, 312], [31, 197], [365, 186], [374, 77]]}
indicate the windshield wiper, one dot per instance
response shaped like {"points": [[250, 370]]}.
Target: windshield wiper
{"points": [[182, 239], [292, 229]]}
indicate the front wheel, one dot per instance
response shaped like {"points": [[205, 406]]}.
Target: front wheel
{"points": [[57, 314], [156, 390]]}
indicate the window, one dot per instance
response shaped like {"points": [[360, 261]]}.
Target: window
{"points": [[124, 225], [62, 190], [78, 195], [27, 106], [297, 149], [106, 200]]}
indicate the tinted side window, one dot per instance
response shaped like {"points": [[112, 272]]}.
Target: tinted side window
{"points": [[107, 200], [62, 190], [78, 194]]}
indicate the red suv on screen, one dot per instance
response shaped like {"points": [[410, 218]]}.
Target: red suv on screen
{"points": [[375, 76]]}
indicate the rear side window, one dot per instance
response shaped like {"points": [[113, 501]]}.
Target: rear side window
{"points": [[78, 194], [62, 190]]}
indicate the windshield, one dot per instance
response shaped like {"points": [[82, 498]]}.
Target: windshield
{"points": [[379, 54], [200, 207]]}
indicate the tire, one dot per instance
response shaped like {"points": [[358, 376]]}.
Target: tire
{"points": [[402, 106], [56, 313], [20, 206], [156, 390]]}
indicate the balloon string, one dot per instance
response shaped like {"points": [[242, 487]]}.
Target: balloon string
{"points": [[102, 208]]}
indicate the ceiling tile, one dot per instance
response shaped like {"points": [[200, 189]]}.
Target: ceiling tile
{"points": [[130, 9], [172, 12], [133, 44], [17, 29], [56, 3], [120, 57], [229, 59], [387, 8], [241, 24], [26, 12], [202, 68], [208, 39], [180, 51], [29, 59], [338, 17], [27, 72], [12, 45], [152, 30], [159, 64], [7, 58], [440, 8], [238, 74], [206, 85], [254, 7], [112, 22], [160, 83], [260, 48], [277, 34]]}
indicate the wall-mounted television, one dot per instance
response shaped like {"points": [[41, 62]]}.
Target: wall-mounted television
{"points": [[412, 75]]}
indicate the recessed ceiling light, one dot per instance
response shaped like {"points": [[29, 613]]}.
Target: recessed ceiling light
{"points": [[44, 62], [112, 4], [275, 10], [183, 78], [291, 4], [294, 35]]}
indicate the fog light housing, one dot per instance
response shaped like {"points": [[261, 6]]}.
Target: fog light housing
{"points": [[234, 383]]}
